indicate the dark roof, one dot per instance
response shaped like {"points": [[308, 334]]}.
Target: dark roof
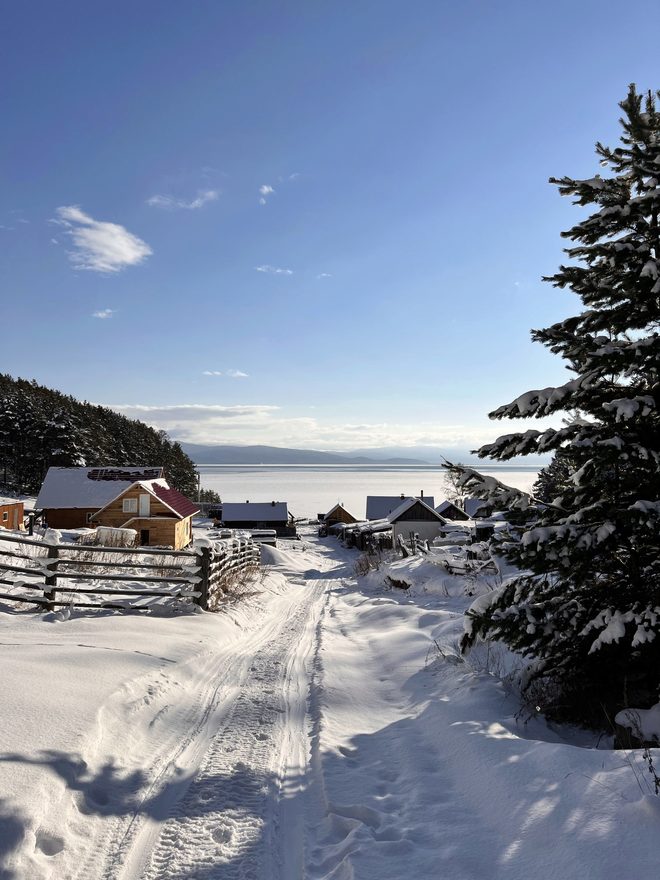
{"points": [[178, 502]]}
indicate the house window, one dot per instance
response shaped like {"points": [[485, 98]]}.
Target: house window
{"points": [[88, 518], [129, 505], [5, 516]]}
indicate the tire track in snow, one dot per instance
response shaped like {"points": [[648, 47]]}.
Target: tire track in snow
{"points": [[224, 825]]}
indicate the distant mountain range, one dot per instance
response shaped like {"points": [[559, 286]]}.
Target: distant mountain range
{"points": [[422, 455], [280, 455]]}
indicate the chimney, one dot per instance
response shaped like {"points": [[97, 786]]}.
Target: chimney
{"points": [[247, 500], [272, 504], [402, 496], [422, 495]]}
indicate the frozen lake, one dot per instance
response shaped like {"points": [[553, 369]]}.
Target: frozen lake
{"points": [[313, 489]]}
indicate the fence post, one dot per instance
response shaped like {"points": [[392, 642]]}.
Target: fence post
{"points": [[51, 580], [204, 558]]}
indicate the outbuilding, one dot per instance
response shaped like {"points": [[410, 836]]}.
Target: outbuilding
{"points": [[258, 515], [338, 514], [11, 514]]}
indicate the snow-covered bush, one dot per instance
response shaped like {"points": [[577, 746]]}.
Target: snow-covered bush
{"points": [[587, 607]]}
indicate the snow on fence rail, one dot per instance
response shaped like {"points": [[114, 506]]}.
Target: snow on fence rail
{"points": [[127, 578]]}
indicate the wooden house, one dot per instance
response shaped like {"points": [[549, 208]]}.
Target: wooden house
{"points": [[476, 508], [380, 506], [11, 514], [414, 515], [452, 511], [338, 514], [258, 515], [161, 516], [69, 496], [132, 498]]}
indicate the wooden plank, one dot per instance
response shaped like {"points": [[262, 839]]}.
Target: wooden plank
{"points": [[31, 543], [174, 594], [134, 551], [20, 569], [123, 577], [140, 565]]}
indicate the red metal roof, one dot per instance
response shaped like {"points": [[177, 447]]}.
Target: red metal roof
{"points": [[178, 502]]}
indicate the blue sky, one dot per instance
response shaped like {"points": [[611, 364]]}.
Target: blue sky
{"points": [[346, 202]]}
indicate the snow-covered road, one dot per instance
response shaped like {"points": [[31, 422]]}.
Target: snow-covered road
{"points": [[324, 728]]}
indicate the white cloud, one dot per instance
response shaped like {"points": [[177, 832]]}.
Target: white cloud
{"points": [[237, 374], [273, 270], [170, 203], [262, 424], [324, 275], [265, 191], [103, 313], [213, 373], [100, 246]]}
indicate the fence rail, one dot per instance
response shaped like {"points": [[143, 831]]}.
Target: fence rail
{"points": [[35, 569]]}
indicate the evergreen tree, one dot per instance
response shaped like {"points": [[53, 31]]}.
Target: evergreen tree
{"points": [[586, 608], [40, 428]]}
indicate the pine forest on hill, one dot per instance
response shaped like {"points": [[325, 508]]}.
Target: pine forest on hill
{"points": [[40, 428]]}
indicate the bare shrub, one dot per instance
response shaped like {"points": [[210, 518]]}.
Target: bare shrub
{"points": [[234, 585], [365, 563]]}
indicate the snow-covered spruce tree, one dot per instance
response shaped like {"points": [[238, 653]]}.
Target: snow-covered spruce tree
{"points": [[586, 608]]}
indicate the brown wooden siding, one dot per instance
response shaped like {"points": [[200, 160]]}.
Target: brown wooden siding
{"points": [[68, 517], [339, 515], [11, 515]]}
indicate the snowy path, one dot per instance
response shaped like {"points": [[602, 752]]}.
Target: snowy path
{"points": [[311, 732], [220, 812]]}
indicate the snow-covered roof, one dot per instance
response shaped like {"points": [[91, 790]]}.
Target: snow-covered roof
{"points": [[380, 506], [86, 487], [445, 506], [407, 504], [472, 506], [270, 511]]}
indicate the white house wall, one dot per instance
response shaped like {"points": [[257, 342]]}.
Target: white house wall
{"points": [[426, 529]]}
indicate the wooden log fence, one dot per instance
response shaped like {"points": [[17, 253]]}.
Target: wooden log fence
{"points": [[40, 567]]}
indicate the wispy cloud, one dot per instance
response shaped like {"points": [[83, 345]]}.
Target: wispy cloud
{"points": [[273, 270], [265, 191], [171, 203], [324, 275], [233, 374], [100, 246], [103, 313]]}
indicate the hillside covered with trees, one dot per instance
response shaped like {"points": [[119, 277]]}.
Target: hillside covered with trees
{"points": [[40, 428]]}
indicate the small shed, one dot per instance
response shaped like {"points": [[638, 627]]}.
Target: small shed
{"points": [[414, 515], [338, 514], [11, 514], [380, 506], [258, 515]]}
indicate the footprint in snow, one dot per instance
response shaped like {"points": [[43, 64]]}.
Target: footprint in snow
{"points": [[49, 844]]}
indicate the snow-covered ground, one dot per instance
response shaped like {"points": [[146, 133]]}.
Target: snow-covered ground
{"points": [[323, 727]]}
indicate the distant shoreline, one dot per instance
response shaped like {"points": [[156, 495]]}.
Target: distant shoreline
{"points": [[370, 466]]}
